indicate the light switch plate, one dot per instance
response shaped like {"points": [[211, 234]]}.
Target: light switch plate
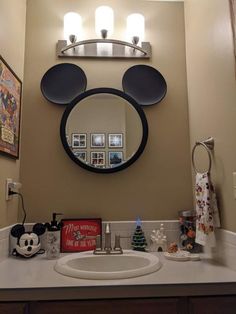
{"points": [[234, 179], [234, 184]]}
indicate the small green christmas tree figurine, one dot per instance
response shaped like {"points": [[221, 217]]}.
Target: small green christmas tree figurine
{"points": [[139, 242]]}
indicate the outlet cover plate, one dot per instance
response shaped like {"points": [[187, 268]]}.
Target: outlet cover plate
{"points": [[7, 196]]}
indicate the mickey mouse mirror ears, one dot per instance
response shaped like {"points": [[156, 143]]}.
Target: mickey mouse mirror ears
{"points": [[65, 81], [145, 84]]}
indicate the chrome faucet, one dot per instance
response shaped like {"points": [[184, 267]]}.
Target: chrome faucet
{"points": [[107, 246]]}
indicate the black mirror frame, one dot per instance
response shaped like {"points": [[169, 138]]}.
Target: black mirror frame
{"points": [[104, 90]]}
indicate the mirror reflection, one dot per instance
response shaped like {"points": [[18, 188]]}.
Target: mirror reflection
{"points": [[103, 131]]}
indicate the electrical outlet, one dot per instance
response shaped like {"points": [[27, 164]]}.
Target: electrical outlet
{"points": [[8, 183], [11, 186]]}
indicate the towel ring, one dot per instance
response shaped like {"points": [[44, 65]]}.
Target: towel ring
{"points": [[208, 145]]}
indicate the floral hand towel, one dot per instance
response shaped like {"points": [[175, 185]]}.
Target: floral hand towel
{"points": [[206, 210]]}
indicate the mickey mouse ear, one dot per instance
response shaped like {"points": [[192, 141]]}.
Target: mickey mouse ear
{"points": [[63, 82], [17, 230], [145, 84], [39, 229]]}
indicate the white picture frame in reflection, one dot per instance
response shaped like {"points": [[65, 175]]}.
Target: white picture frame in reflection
{"points": [[79, 140], [115, 140], [97, 140], [82, 155], [97, 159], [115, 158]]}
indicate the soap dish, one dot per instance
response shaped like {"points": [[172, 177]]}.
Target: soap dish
{"points": [[182, 256]]}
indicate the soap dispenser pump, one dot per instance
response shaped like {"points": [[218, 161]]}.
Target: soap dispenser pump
{"points": [[53, 237]]}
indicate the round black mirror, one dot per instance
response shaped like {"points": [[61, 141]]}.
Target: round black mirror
{"points": [[104, 130]]}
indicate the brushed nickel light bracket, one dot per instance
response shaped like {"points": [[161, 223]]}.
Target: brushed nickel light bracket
{"points": [[90, 49]]}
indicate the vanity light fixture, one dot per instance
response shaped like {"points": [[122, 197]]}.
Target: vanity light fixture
{"points": [[111, 48]]}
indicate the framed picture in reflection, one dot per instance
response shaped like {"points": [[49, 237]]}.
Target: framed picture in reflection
{"points": [[82, 155], [79, 140], [97, 140], [115, 158], [115, 140], [97, 159]]}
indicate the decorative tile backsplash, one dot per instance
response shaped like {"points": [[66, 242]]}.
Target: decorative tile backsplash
{"points": [[126, 229], [123, 228], [224, 253]]}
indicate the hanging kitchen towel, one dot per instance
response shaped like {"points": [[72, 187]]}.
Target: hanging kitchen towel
{"points": [[206, 210]]}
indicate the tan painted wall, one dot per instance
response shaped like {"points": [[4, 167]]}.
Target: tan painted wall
{"points": [[212, 93], [12, 47], [159, 183]]}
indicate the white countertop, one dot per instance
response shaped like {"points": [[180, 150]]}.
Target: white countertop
{"points": [[35, 278]]}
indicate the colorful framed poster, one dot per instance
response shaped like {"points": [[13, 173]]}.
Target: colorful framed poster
{"points": [[79, 235], [10, 109]]}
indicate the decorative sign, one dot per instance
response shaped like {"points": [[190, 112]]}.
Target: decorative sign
{"points": [[10, 103], [79, 235]]}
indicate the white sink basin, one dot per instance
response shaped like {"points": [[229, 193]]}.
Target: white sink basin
{"points": [[89, 266]]}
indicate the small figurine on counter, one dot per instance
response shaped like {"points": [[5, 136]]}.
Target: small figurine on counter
{"points": [[158, 240], [28, 242], [139, 242], [173, 248]]}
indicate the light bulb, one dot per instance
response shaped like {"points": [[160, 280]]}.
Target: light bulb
{"points": [[72, 26], [135, 28], [104, 20]]}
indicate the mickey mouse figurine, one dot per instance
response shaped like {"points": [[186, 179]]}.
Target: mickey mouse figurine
{"points": [[28, 243]]}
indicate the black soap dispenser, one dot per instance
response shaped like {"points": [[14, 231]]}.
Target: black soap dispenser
{"points": [[53, 237]]}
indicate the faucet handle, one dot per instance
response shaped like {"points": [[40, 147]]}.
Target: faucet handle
{"points": [[117, 246], [98, 243], [117, 242]]}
